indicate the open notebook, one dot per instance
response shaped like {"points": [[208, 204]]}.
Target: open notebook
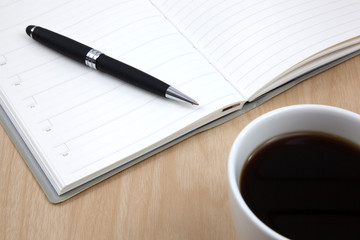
{"points": [[75, 126]]}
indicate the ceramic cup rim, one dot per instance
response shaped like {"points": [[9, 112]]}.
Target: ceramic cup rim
{"points": [[233, 156]]}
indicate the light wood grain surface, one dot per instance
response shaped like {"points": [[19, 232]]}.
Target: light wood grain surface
{"points": [[180, 193]]}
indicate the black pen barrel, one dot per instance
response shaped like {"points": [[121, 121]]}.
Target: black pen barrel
{"points": [[131, 75]]}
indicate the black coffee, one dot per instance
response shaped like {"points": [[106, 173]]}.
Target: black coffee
{"points": [[305, 185]]}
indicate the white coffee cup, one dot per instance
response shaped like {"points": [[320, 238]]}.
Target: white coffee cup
{"points": [[307, 117]]}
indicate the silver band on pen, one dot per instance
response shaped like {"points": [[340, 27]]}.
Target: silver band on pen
{"points": [[91, 57]]}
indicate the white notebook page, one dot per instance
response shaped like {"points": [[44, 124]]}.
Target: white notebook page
{"points": [[251, 42], [81, 123]]}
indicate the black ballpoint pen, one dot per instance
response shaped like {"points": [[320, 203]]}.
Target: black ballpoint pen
{"points": [[99, 61]]}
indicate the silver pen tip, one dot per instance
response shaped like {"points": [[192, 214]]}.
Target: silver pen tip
{"points": [[175, 94]]}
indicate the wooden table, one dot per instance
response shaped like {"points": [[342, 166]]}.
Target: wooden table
{"points": [[180, 193]]}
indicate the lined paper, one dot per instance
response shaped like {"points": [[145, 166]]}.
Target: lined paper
{"points": [[252, 42], [80, 123]]}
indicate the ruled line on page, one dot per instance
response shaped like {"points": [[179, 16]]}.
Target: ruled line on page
{"points": [[239, 31], [144, 105], [119, 114], [72, 122], [210, 40], [290, 26], [216, 14], [90, 15], [202, 15], [26, 21], [295, 53], [188, 13], [285, 48], [136, 142]]}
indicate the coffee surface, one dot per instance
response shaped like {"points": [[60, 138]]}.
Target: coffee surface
{"points": [[305, 185]]}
